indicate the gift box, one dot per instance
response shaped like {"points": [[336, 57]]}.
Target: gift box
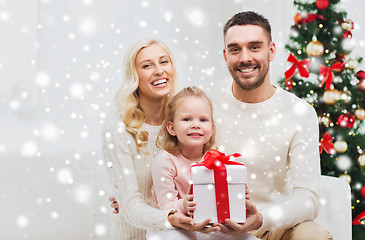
{"points": [[219, 186]]}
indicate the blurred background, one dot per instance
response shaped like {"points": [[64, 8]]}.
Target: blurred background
{"points": [[60, 67]]}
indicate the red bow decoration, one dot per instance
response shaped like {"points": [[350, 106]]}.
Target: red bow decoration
{"points": [[215, 159], [360, 219], [327, 73], [326, 144], [302, 67], [312, 17]]}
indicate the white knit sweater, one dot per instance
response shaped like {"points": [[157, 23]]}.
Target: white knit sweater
{"points": [[278, 139], [130, 175]]}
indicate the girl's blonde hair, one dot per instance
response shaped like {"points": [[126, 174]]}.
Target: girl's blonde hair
{"points": [[127, 97], [170, 143]]}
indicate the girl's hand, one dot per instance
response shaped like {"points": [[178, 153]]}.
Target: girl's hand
{"points": [[247, 193], [189, 205]]}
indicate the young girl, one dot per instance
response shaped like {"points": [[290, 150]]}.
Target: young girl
{"points": [[186, 135]]}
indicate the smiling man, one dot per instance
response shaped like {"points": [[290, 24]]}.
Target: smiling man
{"points": [[275, 131]]}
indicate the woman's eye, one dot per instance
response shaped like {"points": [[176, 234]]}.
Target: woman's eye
{"points": [[164, 62], [146, 66]]}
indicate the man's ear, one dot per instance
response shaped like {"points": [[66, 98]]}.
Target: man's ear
{"points": [[272, 51], [224, 54], [170, 128]]}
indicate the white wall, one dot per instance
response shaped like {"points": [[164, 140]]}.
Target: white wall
{"points": [[61, 60]]}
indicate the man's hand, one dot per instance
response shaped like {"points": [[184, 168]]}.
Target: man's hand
{"points": [[178, 219], [114, 204], [253, 222]]}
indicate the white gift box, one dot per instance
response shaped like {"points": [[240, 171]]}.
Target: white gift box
{"points": [[204, 192]]}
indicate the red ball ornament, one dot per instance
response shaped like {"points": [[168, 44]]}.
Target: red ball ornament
{"points": [[346, 120], [361, 86], [298, 18], [360, 75], [322, 4], [362, 192]]}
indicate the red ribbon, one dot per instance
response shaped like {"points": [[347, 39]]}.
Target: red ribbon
{"points": [[360, 219], [215, 160], [327, 73], [326, 144], [312, 17], [302, 67]]}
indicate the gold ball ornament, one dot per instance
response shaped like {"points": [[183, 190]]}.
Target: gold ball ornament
{"points": [[346, 96], [361, 160], [331, 96], [360, 114], [340, 146], [315, 48], [347, 25], [326, 121], [346, 177]]}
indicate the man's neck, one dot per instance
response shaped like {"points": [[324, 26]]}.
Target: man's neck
{"points": [[257, 95]]}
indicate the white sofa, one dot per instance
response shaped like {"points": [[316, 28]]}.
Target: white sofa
{"points": [[64, 196]]}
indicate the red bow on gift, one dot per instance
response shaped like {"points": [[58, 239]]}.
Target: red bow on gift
{"points": [[327, 73], [215, 159], [326, 144], [302, 67], [312, 17]]}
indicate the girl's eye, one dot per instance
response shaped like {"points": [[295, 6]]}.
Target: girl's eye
{"points": [[186, 119], [204, 120]]}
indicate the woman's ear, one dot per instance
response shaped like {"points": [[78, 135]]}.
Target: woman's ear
{"points": [[170, 128]]}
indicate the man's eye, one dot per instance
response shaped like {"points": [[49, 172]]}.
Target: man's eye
{"points": [[234, 50]]}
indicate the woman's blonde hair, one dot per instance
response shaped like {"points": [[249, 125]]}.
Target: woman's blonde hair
{"points": [[127, 97], [170, 143]]}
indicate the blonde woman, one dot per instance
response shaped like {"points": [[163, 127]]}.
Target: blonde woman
{"points": [[129, 141]]}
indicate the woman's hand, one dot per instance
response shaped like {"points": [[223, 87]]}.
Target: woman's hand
{"points": [[178, 219], [189, 205], [114, 204]]}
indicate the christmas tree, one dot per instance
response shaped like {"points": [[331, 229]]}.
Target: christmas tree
{"points": [[324, 73]]}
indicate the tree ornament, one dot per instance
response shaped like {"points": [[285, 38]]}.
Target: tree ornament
{"points": [[346, 177], [360, 114], [361, 86], [346, 96], [346, 120], [326, 144], [298, 18], [347, 25], [360, 75], [340, 146], [327, 73], [347, 34], [315, 48], [331, 96], [362, 192], [340, 57], [359, 219], [352, 64], [326, 121], [361, 160], [322, 4]]}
